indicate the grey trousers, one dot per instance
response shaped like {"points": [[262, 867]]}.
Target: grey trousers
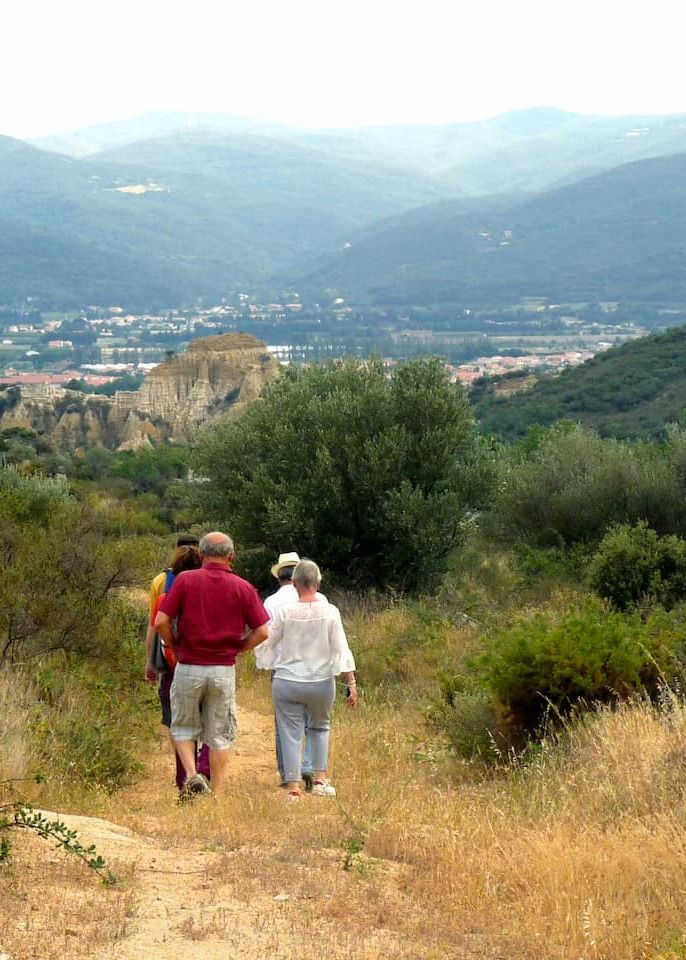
{"points": [[294, 702]]}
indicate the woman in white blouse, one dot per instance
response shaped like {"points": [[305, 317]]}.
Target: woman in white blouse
{"points": [[306, 649]]}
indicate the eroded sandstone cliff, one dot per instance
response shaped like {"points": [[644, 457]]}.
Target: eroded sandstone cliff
{"points": [[215, 377]]}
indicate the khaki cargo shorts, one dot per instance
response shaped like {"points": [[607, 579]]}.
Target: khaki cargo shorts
{"points": [[203, 705]]}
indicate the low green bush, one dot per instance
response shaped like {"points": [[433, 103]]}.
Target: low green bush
{"points": [[633, 565], [92, 718], [572, 485], [465, 713], [587, 654], [552, 564]]}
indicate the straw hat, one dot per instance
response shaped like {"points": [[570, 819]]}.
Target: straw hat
{"points": [[285, 560]]}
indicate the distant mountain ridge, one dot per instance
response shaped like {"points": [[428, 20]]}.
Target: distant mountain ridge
{"points": [[168, 208], [523, 150], [107, 136], [74, 231], [620, 235]]}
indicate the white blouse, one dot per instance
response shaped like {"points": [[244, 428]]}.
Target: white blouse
{"points": [[306, 643]]}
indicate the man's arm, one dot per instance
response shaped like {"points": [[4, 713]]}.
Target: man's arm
{"points": [[255, 637]]}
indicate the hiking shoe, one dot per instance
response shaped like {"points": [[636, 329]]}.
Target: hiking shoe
{"points": [[196, 786], [308, 780], [293, 796], [322, 788]]}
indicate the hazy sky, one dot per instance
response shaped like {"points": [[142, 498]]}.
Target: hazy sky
{"points": [[334, 63]]}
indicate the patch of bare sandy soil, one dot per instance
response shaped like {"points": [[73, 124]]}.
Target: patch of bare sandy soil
{"points": [[245, 876]]}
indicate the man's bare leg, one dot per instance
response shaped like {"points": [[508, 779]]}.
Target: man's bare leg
{"points": [[186, 752], [218, 762]]}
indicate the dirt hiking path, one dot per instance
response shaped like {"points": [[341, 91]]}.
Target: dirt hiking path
{"points": [[247, 876]]}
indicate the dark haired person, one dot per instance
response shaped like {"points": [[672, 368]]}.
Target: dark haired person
{"points": [[217, 615], [186, 557], [156, 590]]}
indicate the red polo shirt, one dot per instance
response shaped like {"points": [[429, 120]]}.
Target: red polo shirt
{"points": [[212, 607]]}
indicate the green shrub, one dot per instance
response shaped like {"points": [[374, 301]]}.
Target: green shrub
{"points": [[465, 713], [588, 654], [92, 717], [32, 499], [553, 564], [571, 486], [60, 568], [633, 564], [373, 475]]}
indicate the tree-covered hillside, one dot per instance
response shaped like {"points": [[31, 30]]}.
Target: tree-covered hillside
{"points": [[634, 390], [175, 209], [616, 236], [184, 219]]}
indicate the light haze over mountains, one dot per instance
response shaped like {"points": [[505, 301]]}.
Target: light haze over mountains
{"points": [[166, 208]]}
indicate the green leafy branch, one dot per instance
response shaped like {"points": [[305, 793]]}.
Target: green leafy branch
{"points": [[19, 815]]}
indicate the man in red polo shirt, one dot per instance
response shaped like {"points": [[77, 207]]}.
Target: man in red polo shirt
{"points": [[218, 615]]}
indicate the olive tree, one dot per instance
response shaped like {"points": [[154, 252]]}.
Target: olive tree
{"points": [[370, 474], [61, 571]]}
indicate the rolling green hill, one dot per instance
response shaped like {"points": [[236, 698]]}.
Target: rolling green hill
{"points": [[214, 218], [620, 235], [383, 216], [271, 169], [634, 390]]}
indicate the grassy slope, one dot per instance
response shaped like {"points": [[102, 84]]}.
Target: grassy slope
{"points": [[530, 863], [632, 390]]}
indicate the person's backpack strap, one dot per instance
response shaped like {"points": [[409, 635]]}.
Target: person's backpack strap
{"points": [[167, 652]]}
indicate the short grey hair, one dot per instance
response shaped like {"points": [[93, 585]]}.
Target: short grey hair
{"points": [[307, 574], [216, 544]]}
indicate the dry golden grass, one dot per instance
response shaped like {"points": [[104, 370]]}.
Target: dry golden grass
{"points": [[399, 652], [578, 855], [17, 698], [50, 910]]}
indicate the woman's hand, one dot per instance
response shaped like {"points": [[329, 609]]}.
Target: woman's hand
{"points": [[351, 699], [150, 674]]}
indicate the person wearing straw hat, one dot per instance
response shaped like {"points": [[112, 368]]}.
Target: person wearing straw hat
{"points": [[285, 595]]}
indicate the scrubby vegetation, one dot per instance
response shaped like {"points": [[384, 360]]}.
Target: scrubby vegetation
{"points": [[518, 617], [635, 566], [567, 486], [375, 476], [69, 638]]}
